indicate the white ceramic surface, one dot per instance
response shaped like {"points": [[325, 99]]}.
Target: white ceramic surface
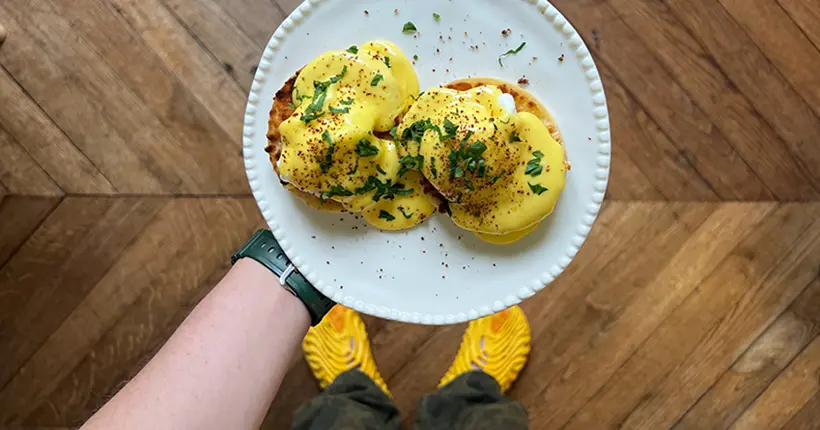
{"points": [[437, 273]]}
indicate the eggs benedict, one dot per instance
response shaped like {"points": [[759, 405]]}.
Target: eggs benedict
{"points": [[491, 151], [330, 137]]}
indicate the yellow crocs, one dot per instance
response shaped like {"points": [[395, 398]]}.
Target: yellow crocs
{"points": [[337, 344], [498, 345]]}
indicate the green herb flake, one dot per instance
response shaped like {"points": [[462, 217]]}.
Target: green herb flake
{"points": [[401, 209], [314, 110], [534, 167], [394, 133], [366, 149], [408, 162], [376, 79], [336, 78], [514, 137], [511, 52], [354, 169], [327, 161], [416, 130], [347, 102], [335, 190], [450, 129], [353, 49], [436, 16], [415, 57], [409, 27], [386, 60], [433, 169], [537, 189], [386, 215], [384, 190], [380, 170], [339, 110]]}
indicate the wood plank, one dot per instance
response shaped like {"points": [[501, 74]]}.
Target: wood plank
{"points": [[733, 334], [57, 267], [288, 5], [222, 37], [21, 216], [758, 366], [743, 271], [734, 112], [177, 107], [640, 140], [627, 182], [182, 270], [787, 395], [806, 15], [808, 418], [782, 42], [634, 305], [78, 91], [257, 18], [756, 77], [618, 48], [20, 174], [26, 122], [194, 67]]}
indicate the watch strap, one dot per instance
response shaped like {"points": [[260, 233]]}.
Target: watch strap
{"points": [[264, 248]]}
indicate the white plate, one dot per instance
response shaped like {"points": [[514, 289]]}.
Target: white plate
{"points": [[437, 273]]}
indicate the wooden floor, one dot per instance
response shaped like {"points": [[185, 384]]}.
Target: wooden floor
{"points": [[695, 303]]}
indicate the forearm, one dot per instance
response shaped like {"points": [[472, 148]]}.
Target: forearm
{"points": [[222, 367]]}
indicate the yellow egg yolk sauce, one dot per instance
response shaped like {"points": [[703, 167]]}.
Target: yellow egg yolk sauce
{"points": [[501, 172], [344, 101]]}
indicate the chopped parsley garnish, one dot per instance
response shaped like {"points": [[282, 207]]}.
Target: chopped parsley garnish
{"points": [[417, 129], [394, 133], [511, 52], [436, 16], [347, 102], [410, 163], [380, 170], [534, 167], [495, 179], [339, 110], [537, 189], [386, 215], [337, 78], [366, 149], [335, 190], [353, 49], [514, 137], [415, 57], [468, 159], [384, 190], [327, 161], [354, 169], [409, 27], [292, 106], [450, 129], [376, 79], [433, 167], [401, 209], [386, 60], [314, 110]]}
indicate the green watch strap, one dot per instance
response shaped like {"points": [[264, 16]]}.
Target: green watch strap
{"points": [[264, 248]]}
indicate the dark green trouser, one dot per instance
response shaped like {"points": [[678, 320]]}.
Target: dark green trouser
{"points": [[353, 402]]}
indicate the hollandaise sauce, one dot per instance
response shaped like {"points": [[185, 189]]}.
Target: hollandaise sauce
{"points": [[337, 145], [501, 171]]}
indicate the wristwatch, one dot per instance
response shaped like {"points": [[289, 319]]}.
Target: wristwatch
{"points": [[264, 248]]}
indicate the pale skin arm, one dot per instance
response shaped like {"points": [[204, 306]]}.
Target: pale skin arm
{"points": [[223, 365]]}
